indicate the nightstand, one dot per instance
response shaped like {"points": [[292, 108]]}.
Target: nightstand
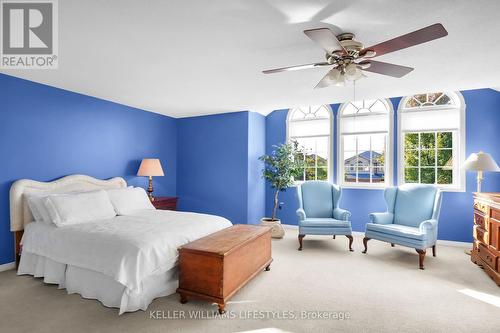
{"points": [[165, 203]]}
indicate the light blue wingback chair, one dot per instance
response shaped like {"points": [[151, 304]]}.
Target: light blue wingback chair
{"points": [[319, 212], [411, 219]]}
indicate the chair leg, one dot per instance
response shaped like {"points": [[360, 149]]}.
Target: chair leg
{"points": [[350, 242], [434, 250], [300, 241], [421, 257], [333, 236], [365, 243], [392, 244]]}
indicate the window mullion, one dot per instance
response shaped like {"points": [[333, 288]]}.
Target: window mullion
{"points": [[419, 157], [435, 159], [357, 160], [305, 167], [316, 160], [370, 163]]}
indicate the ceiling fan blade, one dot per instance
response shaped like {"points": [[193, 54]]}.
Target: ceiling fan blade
{"points": [[424, 35], [385, 68], [326, 38], [295, 68]]}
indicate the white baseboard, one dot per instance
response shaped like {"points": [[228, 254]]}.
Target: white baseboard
{"points": [[454, 243], [439, 242], [7, 266]]}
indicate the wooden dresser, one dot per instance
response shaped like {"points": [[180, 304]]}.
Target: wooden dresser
{"points": [[215, 267], [486, 248]]}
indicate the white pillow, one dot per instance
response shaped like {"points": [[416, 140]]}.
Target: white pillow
{"points": [[74, 208], [38, 209], [127, 200]]}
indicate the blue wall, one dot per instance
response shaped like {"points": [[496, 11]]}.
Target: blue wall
{"points": [[47, 133], [482, 121], [218, 166], [212, 160], [256, 201]]}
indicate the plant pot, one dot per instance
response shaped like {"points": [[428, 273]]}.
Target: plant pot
{"points": [[277, 230]]}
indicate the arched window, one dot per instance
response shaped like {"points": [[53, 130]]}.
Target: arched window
{"points": [[311, 127], [364, 143], [432, 140]]}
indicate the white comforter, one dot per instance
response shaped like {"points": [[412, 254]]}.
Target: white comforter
{"points": [[126, 248]]}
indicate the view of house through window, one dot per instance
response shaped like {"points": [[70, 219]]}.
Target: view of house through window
{"points": [[363, 143], [311, 127], [431, 126], [364, 157]]}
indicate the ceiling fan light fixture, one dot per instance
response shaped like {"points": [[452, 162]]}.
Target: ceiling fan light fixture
{"points": [[340, 82], [334, 75], [358, 76], [352, 72]]}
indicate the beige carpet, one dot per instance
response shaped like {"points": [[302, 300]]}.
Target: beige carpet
{"points": [[381, 291]]}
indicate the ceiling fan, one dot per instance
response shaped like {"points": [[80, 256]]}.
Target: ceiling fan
{"points": [[349, 57]]}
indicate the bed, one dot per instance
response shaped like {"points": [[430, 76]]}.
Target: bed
{"points": [[124, 262]]}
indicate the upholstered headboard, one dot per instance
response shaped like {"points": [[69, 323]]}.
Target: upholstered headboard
{"points": [[20, 214]]}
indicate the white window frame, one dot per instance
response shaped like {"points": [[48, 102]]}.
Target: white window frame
{"points": [[330, 139], [458, 139], [389, 149]]}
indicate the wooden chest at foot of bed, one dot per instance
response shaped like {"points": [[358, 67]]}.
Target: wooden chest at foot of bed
{"points": [[215, 267]]}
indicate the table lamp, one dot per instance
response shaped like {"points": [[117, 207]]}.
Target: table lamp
{"points": [[150, 167], [480, 162]]}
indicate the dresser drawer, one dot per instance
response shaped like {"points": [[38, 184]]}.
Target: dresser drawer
{"points": [[487, 256], [480, 234], [479, 220], [494, 233], [482, 207], [495, 213]]}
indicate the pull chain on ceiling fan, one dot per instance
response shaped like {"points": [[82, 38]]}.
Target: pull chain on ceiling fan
{"points": [[350, 58]]}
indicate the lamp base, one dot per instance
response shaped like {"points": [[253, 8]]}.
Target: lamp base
{"points": [[479, 180], [150, 189]]}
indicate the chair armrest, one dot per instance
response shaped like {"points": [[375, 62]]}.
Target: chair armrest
{"points": [[382, 218], [428, 225], [341, 214], [301, 214]]}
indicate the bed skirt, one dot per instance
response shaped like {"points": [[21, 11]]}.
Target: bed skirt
{"points": [[94, 285]]}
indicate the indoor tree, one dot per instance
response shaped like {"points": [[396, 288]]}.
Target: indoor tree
{"points": [[281, 167]]}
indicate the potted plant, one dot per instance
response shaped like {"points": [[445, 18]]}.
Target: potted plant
{"points": [[280, 169]]}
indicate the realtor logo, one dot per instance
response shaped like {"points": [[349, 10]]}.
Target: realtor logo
{"points": [[29, 34]]}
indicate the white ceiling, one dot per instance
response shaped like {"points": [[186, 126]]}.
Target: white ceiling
{"points": [[194, 57]]}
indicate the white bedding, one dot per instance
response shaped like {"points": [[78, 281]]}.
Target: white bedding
{"points": [[94, 285], [127, 249]]}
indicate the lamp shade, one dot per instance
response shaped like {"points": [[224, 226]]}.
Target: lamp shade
{"points": [[481, 162], [150, 167]]}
